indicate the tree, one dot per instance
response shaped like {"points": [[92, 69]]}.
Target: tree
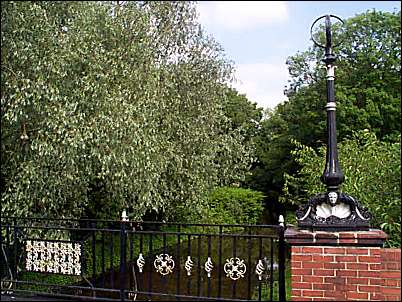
{"points": [[109, 106], [372, 175], [242, 112], [368, 83], [368, 95]]}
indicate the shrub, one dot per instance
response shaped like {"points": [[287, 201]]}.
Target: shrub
{"points": [[234, 206]]}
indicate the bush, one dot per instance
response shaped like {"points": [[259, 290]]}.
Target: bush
{"points": [[234, 206], [372, 171]]}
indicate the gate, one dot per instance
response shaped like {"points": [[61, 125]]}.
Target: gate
{"points": [[107, 260]]}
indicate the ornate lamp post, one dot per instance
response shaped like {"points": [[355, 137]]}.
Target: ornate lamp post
{"points": [[332, 175], [332, 210]]}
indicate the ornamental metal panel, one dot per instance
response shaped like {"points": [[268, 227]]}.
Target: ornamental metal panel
{"points": [[58, 257]]}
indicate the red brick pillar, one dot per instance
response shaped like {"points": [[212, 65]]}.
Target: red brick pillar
{"points": [[391, 274], [339, 266]]}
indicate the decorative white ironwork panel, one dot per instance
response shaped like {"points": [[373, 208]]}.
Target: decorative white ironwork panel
{"points": [[234, 268], [164, 264], [53, 257]]}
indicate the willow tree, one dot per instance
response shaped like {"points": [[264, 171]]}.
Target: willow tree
{"points": [[107, 106]]}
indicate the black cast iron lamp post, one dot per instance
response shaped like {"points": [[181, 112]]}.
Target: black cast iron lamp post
{"points": [[333, 175], [332, 210]]}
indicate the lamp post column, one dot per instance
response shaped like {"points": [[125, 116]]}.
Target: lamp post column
{"points": [[332, 176], [332, 210]]}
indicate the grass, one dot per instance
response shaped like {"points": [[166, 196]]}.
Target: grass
{"points": [[265, 287]]}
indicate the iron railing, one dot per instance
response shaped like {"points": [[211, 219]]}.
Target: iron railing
{"points": [[109, 260]]}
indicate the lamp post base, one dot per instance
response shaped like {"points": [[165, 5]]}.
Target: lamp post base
{"points": [[323, 212]]}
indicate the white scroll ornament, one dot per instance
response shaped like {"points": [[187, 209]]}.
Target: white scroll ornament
{"points": [[259, 269], [188, 265], [140, 262], [208, 267]]}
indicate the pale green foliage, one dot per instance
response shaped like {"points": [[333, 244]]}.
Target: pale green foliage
{"points": [[126, 98], [372, 175]]}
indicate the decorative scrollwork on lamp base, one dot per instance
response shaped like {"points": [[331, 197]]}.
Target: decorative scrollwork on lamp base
{"points": [[322, 212]]}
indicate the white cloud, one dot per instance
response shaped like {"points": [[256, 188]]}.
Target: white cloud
{"points": [[262, 83], [242, 15]]}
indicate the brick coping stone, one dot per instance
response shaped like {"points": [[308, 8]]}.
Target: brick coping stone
{"points": [[372, 237]]}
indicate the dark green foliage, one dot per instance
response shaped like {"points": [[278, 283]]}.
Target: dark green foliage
{"points": [[234, 206], [242, 113], [372, 175], [368, 95], [57, 279]]}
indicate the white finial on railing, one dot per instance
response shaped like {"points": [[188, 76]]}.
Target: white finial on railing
{"points": [[281, 220], [124, 216]]}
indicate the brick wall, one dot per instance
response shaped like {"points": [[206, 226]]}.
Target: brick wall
{"points": [[337, 273], [390, 274], [346, 265]]}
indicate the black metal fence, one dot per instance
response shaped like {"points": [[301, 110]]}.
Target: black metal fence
{"points": [[117, 260]]}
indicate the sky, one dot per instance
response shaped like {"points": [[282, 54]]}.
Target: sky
{"points": [[258, 36]]}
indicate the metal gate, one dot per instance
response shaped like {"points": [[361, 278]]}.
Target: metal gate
{"points": [[121, 260]]}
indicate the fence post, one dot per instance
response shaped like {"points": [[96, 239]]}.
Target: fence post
{"points": [[15, 254], [281, 265], [93, 227], [123, 244]]}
